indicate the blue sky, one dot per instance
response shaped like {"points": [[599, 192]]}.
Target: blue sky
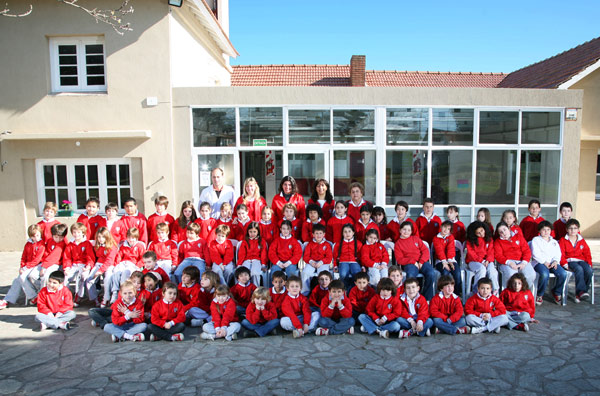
{"points": [[434, 35]]}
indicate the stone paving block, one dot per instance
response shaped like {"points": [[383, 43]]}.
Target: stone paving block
{"points": [[10, 386]]}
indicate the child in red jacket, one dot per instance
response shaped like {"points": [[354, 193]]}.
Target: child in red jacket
{"points": [[278, 291], [78, 260], [127, 316], [446, 309], [253, 254], [519, 303], [189, 289], [382, 311], [459, 231], [360, 294], [415, 313], [393, 227], [290, 214], [397, 276], [336, 312], [444, 249], [129, 259], [295, 307], [320, 291], [577, 256], [318, 257], [161, 216], [268, 228], [480, 255], [221, 253], [49, 220], [374, 257], [201, 312], [192, 252], [485, 312], [313, 217], [208, 224], [105, 251], [285, 252], [529, 224], [53, 252], [337, 221], [428, 223], [167, 256], [151, 292], [91, 219], [168, 316], [513, 254], [364, 223], [346, 253], [261, 314], [242, 290], [55, 304], [225, 322], [240, 223]]}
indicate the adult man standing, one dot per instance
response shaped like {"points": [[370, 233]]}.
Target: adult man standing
{"points": [[217, 193]]}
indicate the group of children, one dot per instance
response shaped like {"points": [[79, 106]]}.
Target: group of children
{"points": [[161, 273]]}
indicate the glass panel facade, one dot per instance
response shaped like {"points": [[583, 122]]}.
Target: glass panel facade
{"points": [[350, 167], [306, 168], [451, 180], [309, 126], [259, 124], [208, 162], [406, 177], [496, 172], [541, 127], [214, 127], [540, 172], [499, 127], [353, 126], [407, 126], [453, 127]]}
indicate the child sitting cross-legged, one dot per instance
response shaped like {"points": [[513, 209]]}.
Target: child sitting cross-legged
{"points": [[519, 303], [382, 311], [485, 312], [446, 309], [200, 313], [168, 316], [415, 313], [295, 307], [225, 322], [127, 316], [242, 290], [320, 291], [55, 304], [336, 311], [261, 314]]}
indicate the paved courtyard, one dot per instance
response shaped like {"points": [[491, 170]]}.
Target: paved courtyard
{"points": [[559, 356]]}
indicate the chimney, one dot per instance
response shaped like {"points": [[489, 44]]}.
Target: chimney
{"points": [[357, 70]]}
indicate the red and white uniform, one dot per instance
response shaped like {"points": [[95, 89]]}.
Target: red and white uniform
{"points": [[277, 299], [459, 232], [252, 250], [334, 228], [196, 248], [149, 298], [163, 312], [317, 295], [294, 306], [350, 251], [207, 228], [163, 277], [373, 253], [516, 230], [119, 319], [242, 294], [482, 251], [115, 226], [393, 227], [361, 229], [46, 228], [239, 229], [296, 227], [318, 252], [338, 311], [418, 309], [138, 221], [477, 305], [279, 201], [255, 207], [262, 316], [410, 251], [515, 248], [559, 228], [580, 251], [53, 253], [220, 253], [223, 314], [165, 250], [284, 249], [378, 307], [132, 254], [307, 229], [328, 208], [205, 297], [444, 247], [359, 299], [529, 226], [105, 256], [522, 301], [82, 253], [268, 231], [59, 301], [154, 220], [446, 307], [33, 252], [428, 227], [354, 210], [91, 224], [189, 295], [179, 233]]}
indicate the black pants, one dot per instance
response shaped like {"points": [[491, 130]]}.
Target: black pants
{"points": [[166, 334]]}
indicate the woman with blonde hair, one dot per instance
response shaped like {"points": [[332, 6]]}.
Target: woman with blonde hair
{"points": [[252, 199]]}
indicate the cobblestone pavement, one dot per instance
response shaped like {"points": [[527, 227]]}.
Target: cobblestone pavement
{"points": [[559, 356]]}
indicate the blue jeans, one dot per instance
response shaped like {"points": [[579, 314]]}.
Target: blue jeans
{"points": [[428, 274], [515, 318], [370, 325], [289, 271], [449, 327], [129, 328], [583, 275], [339, 327], [262, 329], [196, 262], [404, 324], [102, 316], [454, 273], [544, 274], [347, 271]]}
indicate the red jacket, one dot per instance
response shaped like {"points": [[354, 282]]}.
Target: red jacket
{"points": [[579, 252], [189, 295], [317, 295], [292, 307], [459, 232], [205, 298], [428, 229], [250, 250], [163, 275], [360, 299], [220, 253], [279, 201], [105, 256], [354, 211], [375, 253], [238, 230], [54, 302], [179, 233], [522, 301], [207, 228], [328, 208], [529, 226], [277, 299], [132, 253], [268, 232], [46, 227], [307, 229], [516, 230], [390, 308], [337, 312], [33, 252], [350, 251], [165, 250], [515, 248], [118, 318], [82, 253], [318, 252], [243, 294], [223, 314], [115, 229], [361, 230], [255, 316], [254, 207], [560, 229], [284, 250], [446, 307], [163, 312], [53, 253], [477, 306], [393, 228], [138, 221], [334, 228], [91, 224], [228, 223], [384, 234], [154, 220], [410, 251], [189, 248], [444, 248], [149, 298], [421, 308], [296, 227], [483, 251]]}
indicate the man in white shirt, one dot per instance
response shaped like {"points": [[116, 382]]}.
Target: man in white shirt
{"points": [[217, 193]]}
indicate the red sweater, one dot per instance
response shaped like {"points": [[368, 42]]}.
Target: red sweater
{"points": [[459, 232], [317, 295], [268, 232], [421, 308], [115, 229], [207, 228], [33, 252], [515, 248], [516, 230], [149, 298], [390, 308], [163, 312], [361, 230], [279, 201], [360, 299], [243, 294], [205, 299], [189, 295], [91, 224], [284, 250], [428, 229], [334, 228], [223, 314], [165, 250], [154, 220], [262, 316], [296, 227], [189, 248], [522, 301], [393, 228], [483, 251], [138, 221], [410, 251], [53, 253], [350, 251], [132, 253], [118, 318], [327, 208], [254, 207], [82, 253], [292, 307], [307, 229], [318, 252], [220, 253], [251, 250], [579, 252], [337, 312], [446, 307], [477, 306], [375, 253], [179, 233], [54, 302], [163, 275], [239, 230], [529, 226], [277, 299], [560, 229], [46, 227], [105, 256], [444, 248], [354, 210]]}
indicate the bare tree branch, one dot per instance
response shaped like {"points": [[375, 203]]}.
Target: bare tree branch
{"points": [[7, 13], [110, 17]]}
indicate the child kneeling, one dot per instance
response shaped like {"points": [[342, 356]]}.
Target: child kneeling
{"points": [[168, 316], [55, 304], [336, 311], [127, 316], [261, 313], [485, 312]]}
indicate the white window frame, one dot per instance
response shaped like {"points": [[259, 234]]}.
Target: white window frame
{"points": [[80, 43], [72, 188]]}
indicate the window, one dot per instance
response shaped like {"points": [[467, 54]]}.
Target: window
{"points": [[261, 126], [453, 127], [77, 180], [407, 126], [77, 64], [214, 127], [309, 126], [353, 126]]}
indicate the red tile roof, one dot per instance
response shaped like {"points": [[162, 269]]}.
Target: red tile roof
{"points": [[554, 71], [339, 76]]}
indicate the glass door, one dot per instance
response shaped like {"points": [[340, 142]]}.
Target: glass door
{"points": [[266, 167], [306, 167]]}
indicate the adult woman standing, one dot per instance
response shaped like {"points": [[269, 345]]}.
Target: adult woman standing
{"points": [[288, 193], [252, 199], [322, 196]]}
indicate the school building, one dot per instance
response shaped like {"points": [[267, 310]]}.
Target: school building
{"points": [[86, 112]]}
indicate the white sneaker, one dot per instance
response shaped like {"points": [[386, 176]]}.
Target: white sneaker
{"points": [[65, 326], [322, 332], [404, 334], [153, 337], [3, 304], [207, 336], [138, 337], [114, 338], [384, 334], [43, 326], [295, 333], [93, 323], [351, 330], [234, 336], [177, 337], [477, 330], [428, 333], [497, 330], [362, 329]]}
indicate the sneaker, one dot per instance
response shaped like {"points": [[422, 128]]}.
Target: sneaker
{"points": [[196, 322], [234, 336], [153, 337], [522, 327], [177, 337], [207, 336], [114, 338], [97, 302], [477, 330], [351, 330], [76, 301], [437, 331], [404, 334], [295, 333], [138, 337], [3, 304], [584, 296], [65, 326], [93, 323], [464, 330], [428, 333], [539, 300], [43, 326], [384, 334], [577, 298], [362, 329], [557, 299], [497, 330], [322, 332], [103, 304]]}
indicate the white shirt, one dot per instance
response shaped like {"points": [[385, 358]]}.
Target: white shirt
{"points": [[544, 252], [209, 195]]}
